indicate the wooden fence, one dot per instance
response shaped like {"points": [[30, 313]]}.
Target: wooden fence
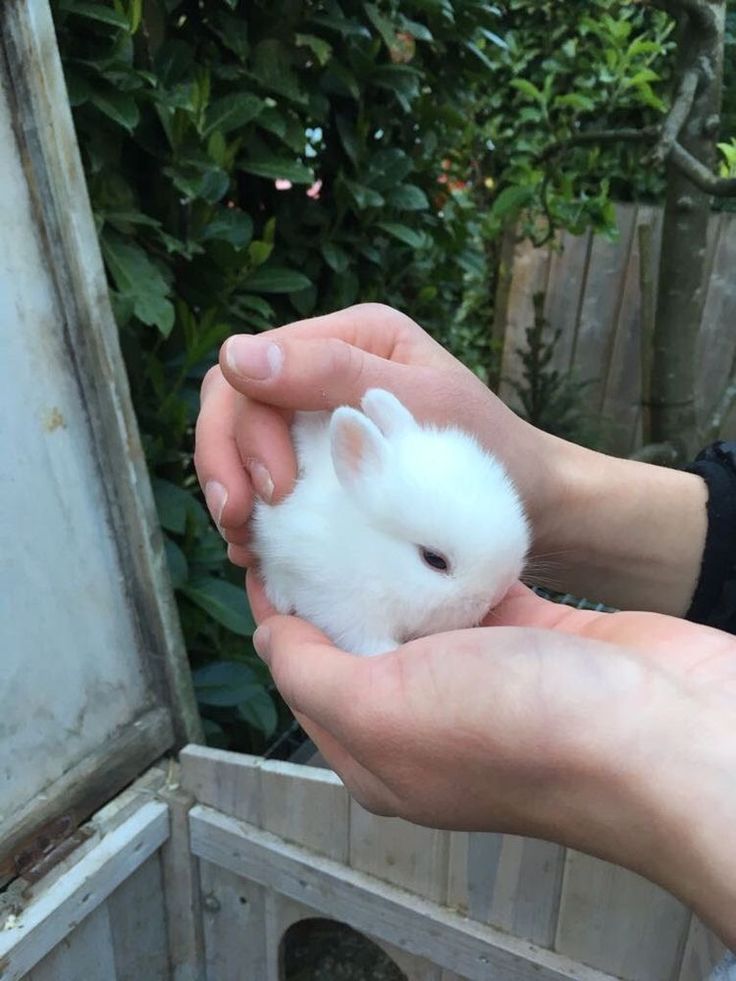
{"points": [[592, 293]]}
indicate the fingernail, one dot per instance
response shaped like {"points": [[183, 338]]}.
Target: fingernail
{"points": [[253, 357], [216, 497], [261, 480], [262, 643]]}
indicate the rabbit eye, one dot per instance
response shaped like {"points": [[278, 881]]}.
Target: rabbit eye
{"points": [[434, 560]]}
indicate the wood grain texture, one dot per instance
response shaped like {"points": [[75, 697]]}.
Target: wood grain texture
{"points": [[398, 852], [619, 922], [510, 882], [702, 953], [234, 923], [85, 954], [138, 925], [47, 920], [227, 781], [375, 907]]}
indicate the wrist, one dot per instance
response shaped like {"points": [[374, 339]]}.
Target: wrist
{"points": [[626, 533]]}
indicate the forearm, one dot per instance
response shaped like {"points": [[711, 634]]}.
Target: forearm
{"points": [[625, 533]]}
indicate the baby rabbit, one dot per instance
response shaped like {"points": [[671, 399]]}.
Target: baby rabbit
{"points": [[394, 530]]}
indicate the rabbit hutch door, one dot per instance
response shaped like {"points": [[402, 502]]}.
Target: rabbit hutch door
{"points": [[95, 681]]}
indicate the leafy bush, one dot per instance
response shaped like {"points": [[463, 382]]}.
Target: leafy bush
{"points": [[252, 163]]}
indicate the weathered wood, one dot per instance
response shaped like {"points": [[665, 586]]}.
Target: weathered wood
{"points": [[510, 882], [86, 954], [227, 781], [83, 788], [702, 953], [593, 295], [138, 925], [619, 922], [182, 891], [401, 853], [50, 917], [234, 923], [83, 330], [306, 805], [375, 907]]}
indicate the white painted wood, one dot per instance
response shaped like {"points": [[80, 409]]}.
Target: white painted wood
{"points": [[306, 805], [139, 940], [702, 953], [618, 922], [374, 907], [398, 852], [234, 923], [182, 891], [85, 954], [513, 883], [228, 781], [55, 912]]}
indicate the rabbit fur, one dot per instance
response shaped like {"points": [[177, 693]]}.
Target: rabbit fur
{"points": [[380, 503]]}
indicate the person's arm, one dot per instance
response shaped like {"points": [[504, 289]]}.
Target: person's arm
{"points": [[628, 534], [610, 733]]}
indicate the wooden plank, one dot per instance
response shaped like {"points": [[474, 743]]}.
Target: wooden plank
{"points": [[86, 954], [139, 939], [182, 892], [74, 796], [234, 923], [510, 882], [716, 346], [49, 918], [703, 952], [375, 907], [116, 505], [531, 268], [398, 852], [228, 781], [306, 805], [564, 293], [619, 922]]}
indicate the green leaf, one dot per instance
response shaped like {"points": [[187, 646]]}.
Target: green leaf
{"points": [[319, 47], [225, 683], [403, 233], [512, 199], [177, 563], [172, 504], [275, 279], [95, 11], [279, 168], [232, 112], [259, 711], [335, 257], [407, 197], [382, 24], [224, 602], [364, 197], [137, 277], [528, 89], [230, 225], [118, 106], [575, 101]]}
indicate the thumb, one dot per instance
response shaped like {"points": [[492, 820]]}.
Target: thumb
{"points": [[309, 374]]}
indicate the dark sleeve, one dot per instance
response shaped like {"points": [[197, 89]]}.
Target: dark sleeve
{"points": [[714, 601]]}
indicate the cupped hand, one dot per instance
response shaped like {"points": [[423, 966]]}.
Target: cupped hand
{"points": [[600, 731], [243, 445]]}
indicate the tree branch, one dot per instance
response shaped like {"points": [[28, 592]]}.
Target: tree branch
{"points": [[677, 116], [646, 134], [700, 175], [699, 12]]}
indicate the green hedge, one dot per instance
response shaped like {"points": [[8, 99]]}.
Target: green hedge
{"points": [[254, 162]]}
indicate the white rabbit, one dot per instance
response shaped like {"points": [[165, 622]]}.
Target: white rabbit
{"points": [[393, 531]]}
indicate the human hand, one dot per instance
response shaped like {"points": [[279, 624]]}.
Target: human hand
{"points": [[243, 442], [610, 733]]}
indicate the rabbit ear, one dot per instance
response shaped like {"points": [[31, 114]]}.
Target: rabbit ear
{"points": [[359, 451], [385, 410]]}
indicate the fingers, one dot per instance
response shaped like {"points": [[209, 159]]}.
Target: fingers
{"points": [[264, 444], [315, 677], [217, 459], [311, 374], [373, 327]]}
